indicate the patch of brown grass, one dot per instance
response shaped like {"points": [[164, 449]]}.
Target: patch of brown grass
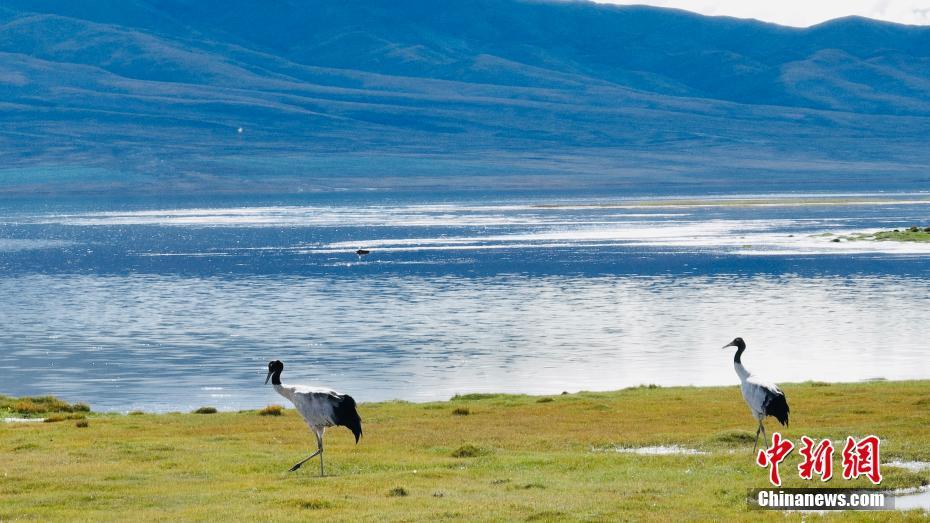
{"points": [[467, 451], [398, 492], [271, 410], [55, 418]]}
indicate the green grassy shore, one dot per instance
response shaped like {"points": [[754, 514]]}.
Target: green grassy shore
{"points": [[908, 234], [476, 457]]}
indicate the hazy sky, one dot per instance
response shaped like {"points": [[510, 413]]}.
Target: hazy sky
{"points": [[802, 12]]}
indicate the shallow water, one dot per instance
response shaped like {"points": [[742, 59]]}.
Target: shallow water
{"points": [[919, 500], [171, 309], [913, 466], [660, 450]]}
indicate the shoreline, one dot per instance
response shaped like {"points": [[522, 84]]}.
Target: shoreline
{"points": [[460, 395]]}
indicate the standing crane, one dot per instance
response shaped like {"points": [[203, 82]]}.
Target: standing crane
{"points": [[320, 408], [764, 399]]}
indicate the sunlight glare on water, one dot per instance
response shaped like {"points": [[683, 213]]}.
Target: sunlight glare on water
{"points": [[171, 309], [119, 338]]}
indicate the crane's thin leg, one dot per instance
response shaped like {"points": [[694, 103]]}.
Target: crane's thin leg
{"points": [[319, 451], [319, 442], [754, 447], [765, 437], [308, 458]]}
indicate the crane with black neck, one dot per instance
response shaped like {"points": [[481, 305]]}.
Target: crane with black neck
{"points": [[319, 407], [764, 399]]}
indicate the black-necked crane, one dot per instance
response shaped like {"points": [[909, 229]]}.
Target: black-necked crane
{"points": [[764, 399], [319, 407]]}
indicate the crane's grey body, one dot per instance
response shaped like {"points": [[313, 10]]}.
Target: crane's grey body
{"points": [[756, 392], [315, 405], [763, 398], [319, 407]]}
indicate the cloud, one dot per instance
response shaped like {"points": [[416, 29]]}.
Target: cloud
{"points": [[802, 13]]}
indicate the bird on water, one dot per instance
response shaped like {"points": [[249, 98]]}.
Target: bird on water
{"points": [[319, 407], [764, 399], [362, 252]]}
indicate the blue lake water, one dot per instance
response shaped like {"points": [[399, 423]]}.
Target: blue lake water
{"points": [[156, 307]]}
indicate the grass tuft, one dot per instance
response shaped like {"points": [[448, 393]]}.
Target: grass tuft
{"points": [[136, 413], [475, 396], [545, 400], [271, 410], [398, 492], [28, 407], [315, 504], [205, 410], [467, 451], [81, 424], [461, 411], [54, 418], [39, 405], [548, 515]]}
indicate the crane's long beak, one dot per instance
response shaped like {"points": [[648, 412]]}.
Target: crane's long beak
{"points": [[731, 344], [268, 377]]}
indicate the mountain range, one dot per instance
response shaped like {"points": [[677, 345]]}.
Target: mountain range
{"points": [[314, 95]]}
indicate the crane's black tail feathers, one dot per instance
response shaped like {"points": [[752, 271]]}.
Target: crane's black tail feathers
{"points": [[348, 417], [777, 407]]}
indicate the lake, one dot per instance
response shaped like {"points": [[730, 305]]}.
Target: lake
{"points": [[172, 307]]}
